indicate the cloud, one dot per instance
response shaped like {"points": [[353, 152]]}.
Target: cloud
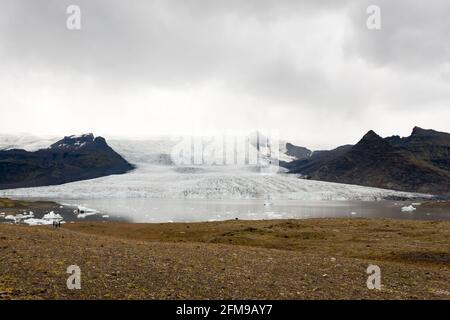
{"points": [[412, 36], [310, 68]]}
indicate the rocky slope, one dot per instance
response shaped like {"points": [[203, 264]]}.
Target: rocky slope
{"points": [[284, 259], [418, 163], [73, 158], [298, 152]]}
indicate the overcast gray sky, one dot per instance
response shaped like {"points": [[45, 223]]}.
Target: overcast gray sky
{"points": [[310, 69]]}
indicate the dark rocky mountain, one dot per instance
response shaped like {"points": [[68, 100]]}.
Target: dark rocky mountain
{"points": [[418, 163], [317, 158], [428, 145], [299, 153], [71, 159]]}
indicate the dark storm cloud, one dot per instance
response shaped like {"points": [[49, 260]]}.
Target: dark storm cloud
{"points": [[414, 34], [311, 59], [156, 41]]}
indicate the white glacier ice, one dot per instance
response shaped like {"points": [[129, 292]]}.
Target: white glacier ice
{"points": [[152, 181], [156, 177]]}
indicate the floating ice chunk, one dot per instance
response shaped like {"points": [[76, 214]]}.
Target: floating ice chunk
{"points": [[37, 222], [25, 216], [105, 216], [30, 220], [19, 216], [86, 209], [52, 216], [409, 208], [85, 214], [353, 213]]}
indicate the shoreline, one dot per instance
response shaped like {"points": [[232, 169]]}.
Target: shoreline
{"points": [[436, 210], [69, 213]]}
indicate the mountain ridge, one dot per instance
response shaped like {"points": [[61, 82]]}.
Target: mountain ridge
{"points": [[418, 163], [70, 159]]}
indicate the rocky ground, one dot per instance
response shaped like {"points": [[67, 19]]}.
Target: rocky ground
{"points": [[283, 259]]}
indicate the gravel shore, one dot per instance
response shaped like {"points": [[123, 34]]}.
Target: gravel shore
{"points": [[280, 259]]}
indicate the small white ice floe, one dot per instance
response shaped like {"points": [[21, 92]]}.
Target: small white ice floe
{"points": [[19, 217], [83, 212], [86, 209], [31, 221], [29, 215], [353, 213], [105, 216], [409, 208], [37, 222], [52, 216]]}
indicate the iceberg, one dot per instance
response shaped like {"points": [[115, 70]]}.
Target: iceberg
{"points": [[52, 216], [409, 208]]}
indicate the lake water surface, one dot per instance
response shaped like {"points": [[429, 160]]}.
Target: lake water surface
{"points": [[169, 210]]}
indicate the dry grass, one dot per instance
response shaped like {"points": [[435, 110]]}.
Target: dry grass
{"points": [[282, 259], [383, 239]]}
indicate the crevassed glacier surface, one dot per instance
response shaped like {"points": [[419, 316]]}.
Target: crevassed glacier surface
{"points": [[157, 177]]}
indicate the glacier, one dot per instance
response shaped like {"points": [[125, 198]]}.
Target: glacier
{"points": [[157, 177]]}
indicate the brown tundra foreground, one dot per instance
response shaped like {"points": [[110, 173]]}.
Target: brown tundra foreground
{"points": [[282, 259]]}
